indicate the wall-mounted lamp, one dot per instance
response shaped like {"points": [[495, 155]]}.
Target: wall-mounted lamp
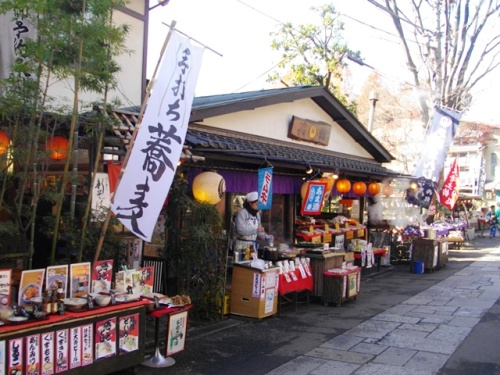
{"points": [[309, 169], [160, 3]]}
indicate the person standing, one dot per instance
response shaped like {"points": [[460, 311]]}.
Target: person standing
{"points": [[248, 225], [492, 218]]}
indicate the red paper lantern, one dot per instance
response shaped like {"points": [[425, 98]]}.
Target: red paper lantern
{"points": [[359, 188], [4, 142], [374, 188], [58, 148], [343, 186], [387, 190]]}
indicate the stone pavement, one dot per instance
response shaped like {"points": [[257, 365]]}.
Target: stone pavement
{"points": [[417, 336], [444, 322]]}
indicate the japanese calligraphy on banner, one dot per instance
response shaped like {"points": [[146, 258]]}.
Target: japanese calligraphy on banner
{"points": [[313, 199], [14, 32], [437, 142], [101, 197], [15, 356], [33, 354], [48, 353], [265, 188], [102, 273], [3, 356], [157, 148], [62, 351], [448, 194]]}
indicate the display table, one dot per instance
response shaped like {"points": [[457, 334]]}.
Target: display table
{"points": [[341, 285], [97, 341], [254, 292], [157, 359], [294, 285], [378, 254], [320, 263]]}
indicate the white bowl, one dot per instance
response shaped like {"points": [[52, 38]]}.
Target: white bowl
{"points": [[102, 300]]}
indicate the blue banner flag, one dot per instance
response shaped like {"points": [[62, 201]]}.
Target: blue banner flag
{"points": [[265, 188], [437, 143]]}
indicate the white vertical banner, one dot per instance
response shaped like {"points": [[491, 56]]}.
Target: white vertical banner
{"points": [[158, 145], [101, 197], [14, 32]]}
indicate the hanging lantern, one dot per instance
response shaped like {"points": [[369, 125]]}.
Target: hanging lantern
{"points": [[343, 186], [374, 188], [209, 187], [4, 142], [359, 188], [329, 181], [58, 148], [387, 190]]}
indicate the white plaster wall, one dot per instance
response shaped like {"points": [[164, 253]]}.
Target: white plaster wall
{"points": [[128, 89], [273, 122]]}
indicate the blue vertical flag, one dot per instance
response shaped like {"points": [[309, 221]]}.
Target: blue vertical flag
{"points": [[436, 145], [265, 188]]}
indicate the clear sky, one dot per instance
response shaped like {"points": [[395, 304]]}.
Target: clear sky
{"points": [[239, 31]]}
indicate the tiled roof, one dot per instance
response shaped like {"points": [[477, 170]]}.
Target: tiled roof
{"points": [[256, 150]]}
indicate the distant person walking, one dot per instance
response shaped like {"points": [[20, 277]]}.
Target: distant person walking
{"points": [[492, 218]]}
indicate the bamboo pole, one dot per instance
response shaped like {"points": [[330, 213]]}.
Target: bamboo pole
{"points": [[134, 135]]}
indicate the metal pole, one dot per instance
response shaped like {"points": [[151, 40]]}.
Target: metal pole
{"points": [[373, 100]]}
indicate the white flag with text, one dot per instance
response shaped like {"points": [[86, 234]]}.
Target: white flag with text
{"points": [[151, 167]]}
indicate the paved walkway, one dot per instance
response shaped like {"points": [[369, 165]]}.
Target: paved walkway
{"points": [[417, 336], [445, 322]]}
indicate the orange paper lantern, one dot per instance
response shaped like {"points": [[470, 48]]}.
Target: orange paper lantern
{"points": [[374, 188], [58, 148], [387, 190], [4, 142], [343, 186], [359, 188]]}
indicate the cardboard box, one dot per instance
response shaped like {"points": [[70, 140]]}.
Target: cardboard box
{"points": [[254, 292]]}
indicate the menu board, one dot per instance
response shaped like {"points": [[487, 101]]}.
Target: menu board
{"points": [[146, 279], [15, 356], [5, 287], [102, 273], [33, 354], [75, 347], [80, 279], [30, 286], [87, 344], [61, 350], [128, 332], [105, 338], [48, 353], [2, 357], [55, 274]]}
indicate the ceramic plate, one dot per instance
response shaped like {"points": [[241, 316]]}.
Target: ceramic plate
{"points": [[126, 297], [74, 301], [17, 319]]}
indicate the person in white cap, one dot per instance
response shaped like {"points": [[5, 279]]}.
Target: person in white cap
{"points": [[248, 226]]}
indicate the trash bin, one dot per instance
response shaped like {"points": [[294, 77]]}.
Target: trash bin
{"points": [[418, 267]]}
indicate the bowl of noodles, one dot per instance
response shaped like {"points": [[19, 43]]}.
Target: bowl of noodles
{"points": [[29, 292]]}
